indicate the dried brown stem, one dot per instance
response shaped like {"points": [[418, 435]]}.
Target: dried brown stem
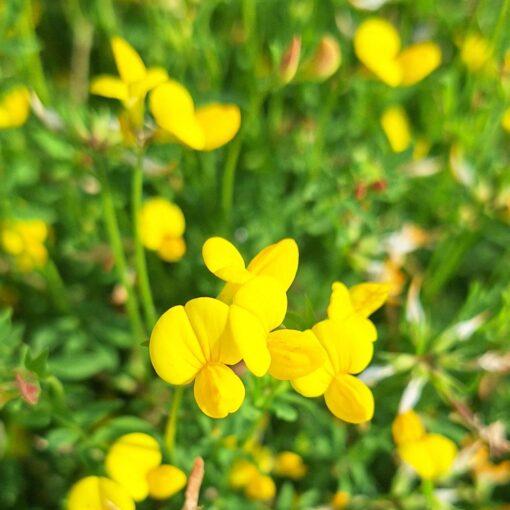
{"points": [[194, 483]]}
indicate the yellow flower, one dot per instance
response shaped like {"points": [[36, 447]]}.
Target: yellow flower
{"points": [[290, 465], [24, 240], [98, 493], [241, 473], [475, 52], [205, 128], [260, 488], [505, 120], [189, 343], [162, 226], [134, 462], [347, 351], [340, 500], [14, 108], [395, 124], [377, 44], [430, 455], [134, 81]]}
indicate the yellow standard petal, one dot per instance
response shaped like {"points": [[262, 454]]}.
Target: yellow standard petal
{"points": [[165, 481], [130, 459], [350, 399], [14, 108], [294, 354], [279, 260], [407, 428], [129, 64], [418, 61], [109, 86], [220, 124], [174, 111], [98, 493], [396, 127], [340, 304], [224, 260], [218, 390], [366, 298], [377, 45]]}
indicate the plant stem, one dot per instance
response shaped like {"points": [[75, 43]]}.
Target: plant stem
{"points": [[227, 186], [171, 424], [112, 227], [56, 286], [140, 260], [427, 488]]}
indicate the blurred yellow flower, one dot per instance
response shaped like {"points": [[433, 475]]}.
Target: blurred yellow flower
{"points": [[189, 343], [134, 462], [475, 52], [162, 226], [377, 44], [325, 61], [98, 493], [205, 128], [257, 486], [14, 108], [395, 124], [133, 83], [290, 465], [340, 500], [24, 240], [430, 455], [505, 120]]}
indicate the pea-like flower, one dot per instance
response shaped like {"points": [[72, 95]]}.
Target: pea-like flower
{"points": [[257, 485], [24, 240], [98, 493], [205, 128], [133, 83], [477, 53], [290, 465], [162, 226], [14, 108], [134, 462], [430, 455], [377, 44]]}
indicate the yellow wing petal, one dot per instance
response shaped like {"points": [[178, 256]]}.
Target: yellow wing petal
{"points": [[315, 383], [224, 260], [98, 493], [418, 61], [174, 111], [109, 86], [129, 64], [130, 459], [368, 297], [165, 481], [175, 351], [14, 108], [218, 391], [279, 260], [294, 354], [350, 399], [219, 122]]}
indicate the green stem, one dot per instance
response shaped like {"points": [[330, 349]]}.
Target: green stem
{"points": [[140, 260], [427, 488], [227, 186], [171, 425], [56, 286], [112, 227]]}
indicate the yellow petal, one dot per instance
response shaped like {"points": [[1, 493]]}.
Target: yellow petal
{"points": [[418, 61], [315, 383], [175, 351], [242, 472], [174, 111], [340, 305], [290, 465], [250, 337], [219, 122], [350, 399], [407, 428], [155, 76], [476, 52], [395, 124], [14, 108], [294, 354], [98, 493], [279, 260], [368, 297], [129, 64], [172, 249], [265, 298], [224, 260], [160, 220], [130, 459], [377, 45], [261, 488], [165, 481], [109, 86], [218, 391], [431, 457]]}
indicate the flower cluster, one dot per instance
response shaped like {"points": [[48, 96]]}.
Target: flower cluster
{"points": [[430, 455], [135, 471], [203, 339], [24, 241]]}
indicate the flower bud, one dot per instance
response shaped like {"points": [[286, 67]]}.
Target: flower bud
{"points": [[290, 61], [324, 62]]}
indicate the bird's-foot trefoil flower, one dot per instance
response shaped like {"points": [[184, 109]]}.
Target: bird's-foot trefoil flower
{"points": [[14, 108], [99, 493]]}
